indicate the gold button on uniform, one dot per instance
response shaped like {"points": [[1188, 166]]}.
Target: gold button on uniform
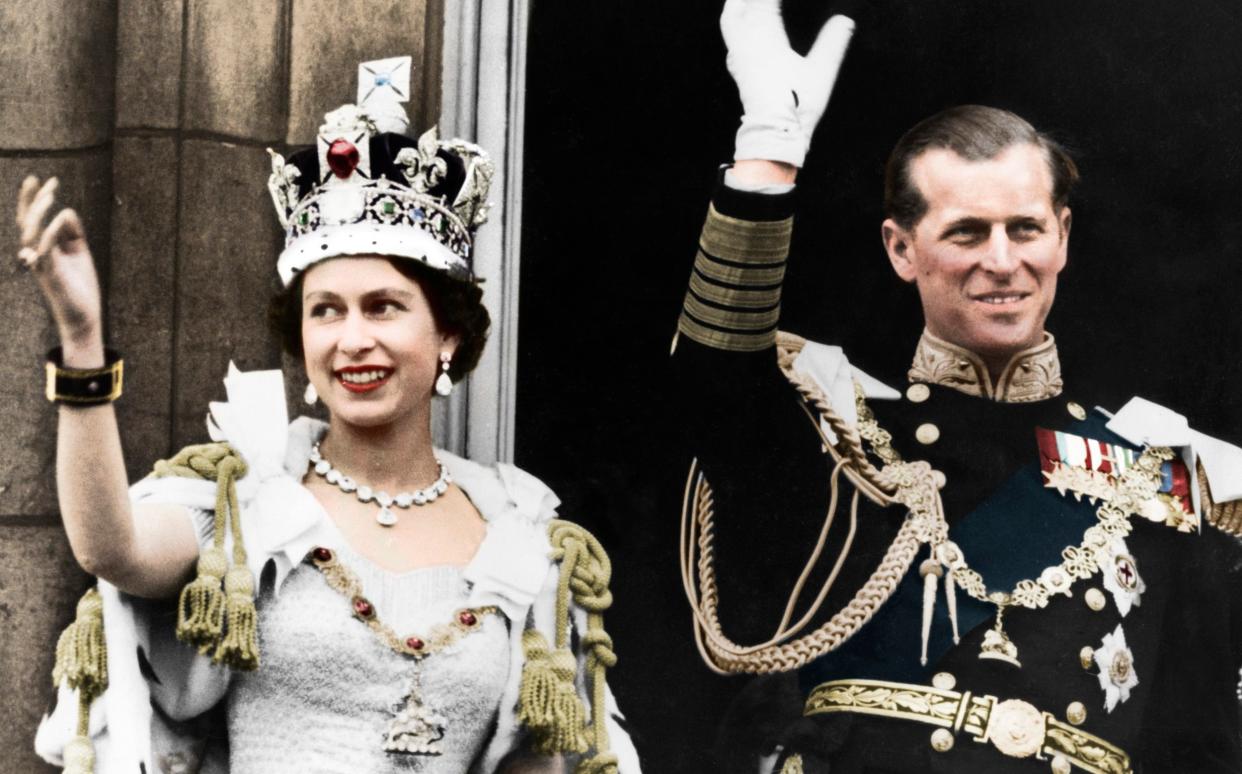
{"points": [[1076, 410], [942, 740], [1086, 656], [1076, 713], [927, 433], [1095, 599], [918, 392]]}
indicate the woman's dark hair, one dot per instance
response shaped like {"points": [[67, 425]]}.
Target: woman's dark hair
{"points": [[976, 133], [456, 305]]}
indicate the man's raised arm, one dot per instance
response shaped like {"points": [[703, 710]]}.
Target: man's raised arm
{"points": [[733, 302]]}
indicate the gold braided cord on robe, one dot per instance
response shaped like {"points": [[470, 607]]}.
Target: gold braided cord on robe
{"points": [[82, 665], [216, 611], [549, 705]]}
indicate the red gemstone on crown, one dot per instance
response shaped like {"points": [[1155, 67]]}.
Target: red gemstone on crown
{"points": [[322, 554], [342, 158], [467, 618], [363, 608], [414, 643]]}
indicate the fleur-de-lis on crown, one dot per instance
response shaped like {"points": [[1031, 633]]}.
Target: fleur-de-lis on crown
{"points": [[423, 168], [282, 184], [471, 202]]}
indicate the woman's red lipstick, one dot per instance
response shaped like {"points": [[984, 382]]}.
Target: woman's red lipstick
{"points": [[379, 376]]}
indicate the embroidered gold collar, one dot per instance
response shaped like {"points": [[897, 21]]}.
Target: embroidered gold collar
{"points": [[1032, 374]]}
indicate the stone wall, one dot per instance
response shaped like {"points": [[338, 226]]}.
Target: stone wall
{"points": [[154, 114]]}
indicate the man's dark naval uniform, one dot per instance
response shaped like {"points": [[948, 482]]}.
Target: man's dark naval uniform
{"points": [[765, 463]]}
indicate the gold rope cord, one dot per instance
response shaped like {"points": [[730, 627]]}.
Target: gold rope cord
{"points": [[82, 665], [785, 650], [549, 705], [724, 656], [216, 611]]}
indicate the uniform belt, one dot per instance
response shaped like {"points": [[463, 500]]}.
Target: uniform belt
{"points": [[1014, 727]]}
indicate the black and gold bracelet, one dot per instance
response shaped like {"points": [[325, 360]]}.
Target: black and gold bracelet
{"points": [[84, 386]]}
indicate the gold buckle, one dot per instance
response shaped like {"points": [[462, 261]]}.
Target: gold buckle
{"points": [[1015, 728]]}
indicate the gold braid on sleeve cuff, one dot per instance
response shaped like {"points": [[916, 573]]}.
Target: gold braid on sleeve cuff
{"points": [[1226, 517], [734, 298]]}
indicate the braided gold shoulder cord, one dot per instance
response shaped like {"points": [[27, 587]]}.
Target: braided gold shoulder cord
{"points": [[895, 484]]}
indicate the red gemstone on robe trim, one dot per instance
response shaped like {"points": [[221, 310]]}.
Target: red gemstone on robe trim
{"points": [[322, 554], [363, 608], [342, 158], [467, 618], [414, 643]]}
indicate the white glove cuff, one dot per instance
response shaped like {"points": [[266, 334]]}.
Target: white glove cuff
{"points": [[762, 138], [731, 181]]}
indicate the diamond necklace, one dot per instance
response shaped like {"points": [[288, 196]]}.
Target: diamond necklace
{"points": [[385, 501]]}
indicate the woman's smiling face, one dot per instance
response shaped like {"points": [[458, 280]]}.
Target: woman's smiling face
{"points": [[371, 342]]}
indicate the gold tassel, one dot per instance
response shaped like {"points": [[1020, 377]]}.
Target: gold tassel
{"points": [[549, 704], [216, 613], [240, 647], [82, 664], [81, 653], [79, 756], [200, 611]]}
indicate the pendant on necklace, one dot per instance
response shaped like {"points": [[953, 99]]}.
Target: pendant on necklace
{"points": [[996, 644], [386, 517], [417, 729]]}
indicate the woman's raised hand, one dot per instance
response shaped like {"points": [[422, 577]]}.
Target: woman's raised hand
{"points": [[783, 94], [59, 258]]}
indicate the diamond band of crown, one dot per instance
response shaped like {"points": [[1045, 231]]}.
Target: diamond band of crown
{"points": [[380, 202]]}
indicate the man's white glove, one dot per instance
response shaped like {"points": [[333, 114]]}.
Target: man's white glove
{"points": [[783, 94]]}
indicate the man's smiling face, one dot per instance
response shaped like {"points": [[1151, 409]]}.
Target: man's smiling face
{"points": [[986, 254]]}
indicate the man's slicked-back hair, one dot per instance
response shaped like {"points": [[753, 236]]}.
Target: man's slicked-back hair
{"points": [[976, 133]]}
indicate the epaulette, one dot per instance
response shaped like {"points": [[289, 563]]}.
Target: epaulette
{"points": [[1226, 517], [549, 704]]}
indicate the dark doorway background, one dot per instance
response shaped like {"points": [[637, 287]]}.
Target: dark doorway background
{"points": [[629, 112]]}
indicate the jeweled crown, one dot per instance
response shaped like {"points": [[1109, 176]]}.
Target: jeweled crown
{"points": [[367, 188]]}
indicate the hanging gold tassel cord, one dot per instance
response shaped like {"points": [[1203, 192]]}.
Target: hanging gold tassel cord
{"points": [[550, 706], [216, 611], [82, 664], [548, 703]]}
